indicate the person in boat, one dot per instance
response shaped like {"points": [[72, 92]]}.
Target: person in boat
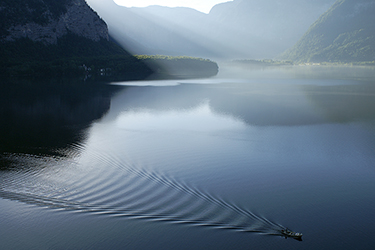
{"points": [[287, 233]]}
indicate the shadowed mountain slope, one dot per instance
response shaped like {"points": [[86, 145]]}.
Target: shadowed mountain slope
{"points": [[66, 37]]}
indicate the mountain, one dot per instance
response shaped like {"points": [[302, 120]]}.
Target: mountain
{"points": [[279, 24], [236, 29], [57, 37], [155, 29], [345, 33], [47, 21]]}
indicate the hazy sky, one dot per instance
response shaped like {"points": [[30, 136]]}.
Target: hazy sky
{"points": [[201, 5]]}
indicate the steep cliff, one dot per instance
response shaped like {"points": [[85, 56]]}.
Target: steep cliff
{"points": [[59, 37], [46, 21]]}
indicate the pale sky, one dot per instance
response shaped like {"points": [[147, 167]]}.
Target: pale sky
{"points": [[201, 5]]}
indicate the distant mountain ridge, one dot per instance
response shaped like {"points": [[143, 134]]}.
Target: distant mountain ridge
{"points": [[345, 33], [281, 22], [236, 29]]}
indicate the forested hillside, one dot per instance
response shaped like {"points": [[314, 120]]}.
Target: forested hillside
{"points": [[345, 33], [48, 37]]}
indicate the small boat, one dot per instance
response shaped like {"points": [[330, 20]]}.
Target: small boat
{"points": [[290, 234]]}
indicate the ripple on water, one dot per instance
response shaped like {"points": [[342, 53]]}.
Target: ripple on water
{"points": [[101, 183]]}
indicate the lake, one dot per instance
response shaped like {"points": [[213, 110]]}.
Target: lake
{"points": [[220, 163]]}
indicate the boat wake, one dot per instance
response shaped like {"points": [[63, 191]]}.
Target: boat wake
{"points": [[123, 191]]}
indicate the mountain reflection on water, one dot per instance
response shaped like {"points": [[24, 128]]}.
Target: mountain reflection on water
{"points": [[52, 120], [42, 117], [244, 153], [285, 103]]}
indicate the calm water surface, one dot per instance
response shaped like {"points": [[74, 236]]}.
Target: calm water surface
{"points": [[220, 163]]}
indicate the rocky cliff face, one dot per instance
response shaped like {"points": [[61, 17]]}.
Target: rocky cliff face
{"points": [[48, 25]]}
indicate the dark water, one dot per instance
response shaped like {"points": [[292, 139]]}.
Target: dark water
{"points": [[221, 163]]}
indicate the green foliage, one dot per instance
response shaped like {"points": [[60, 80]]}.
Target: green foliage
{"points": [[338, 63], [115, 65], [264, 62], [345, 33], [74, 55], [180, 66], [67, 57], [174, 58]]}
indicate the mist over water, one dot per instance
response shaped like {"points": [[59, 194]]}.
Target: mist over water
{"points": [[193, 164], [243, 29], [227, 162]]}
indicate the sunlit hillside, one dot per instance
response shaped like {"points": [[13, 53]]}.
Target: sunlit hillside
{"points": [[345, 33]]}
